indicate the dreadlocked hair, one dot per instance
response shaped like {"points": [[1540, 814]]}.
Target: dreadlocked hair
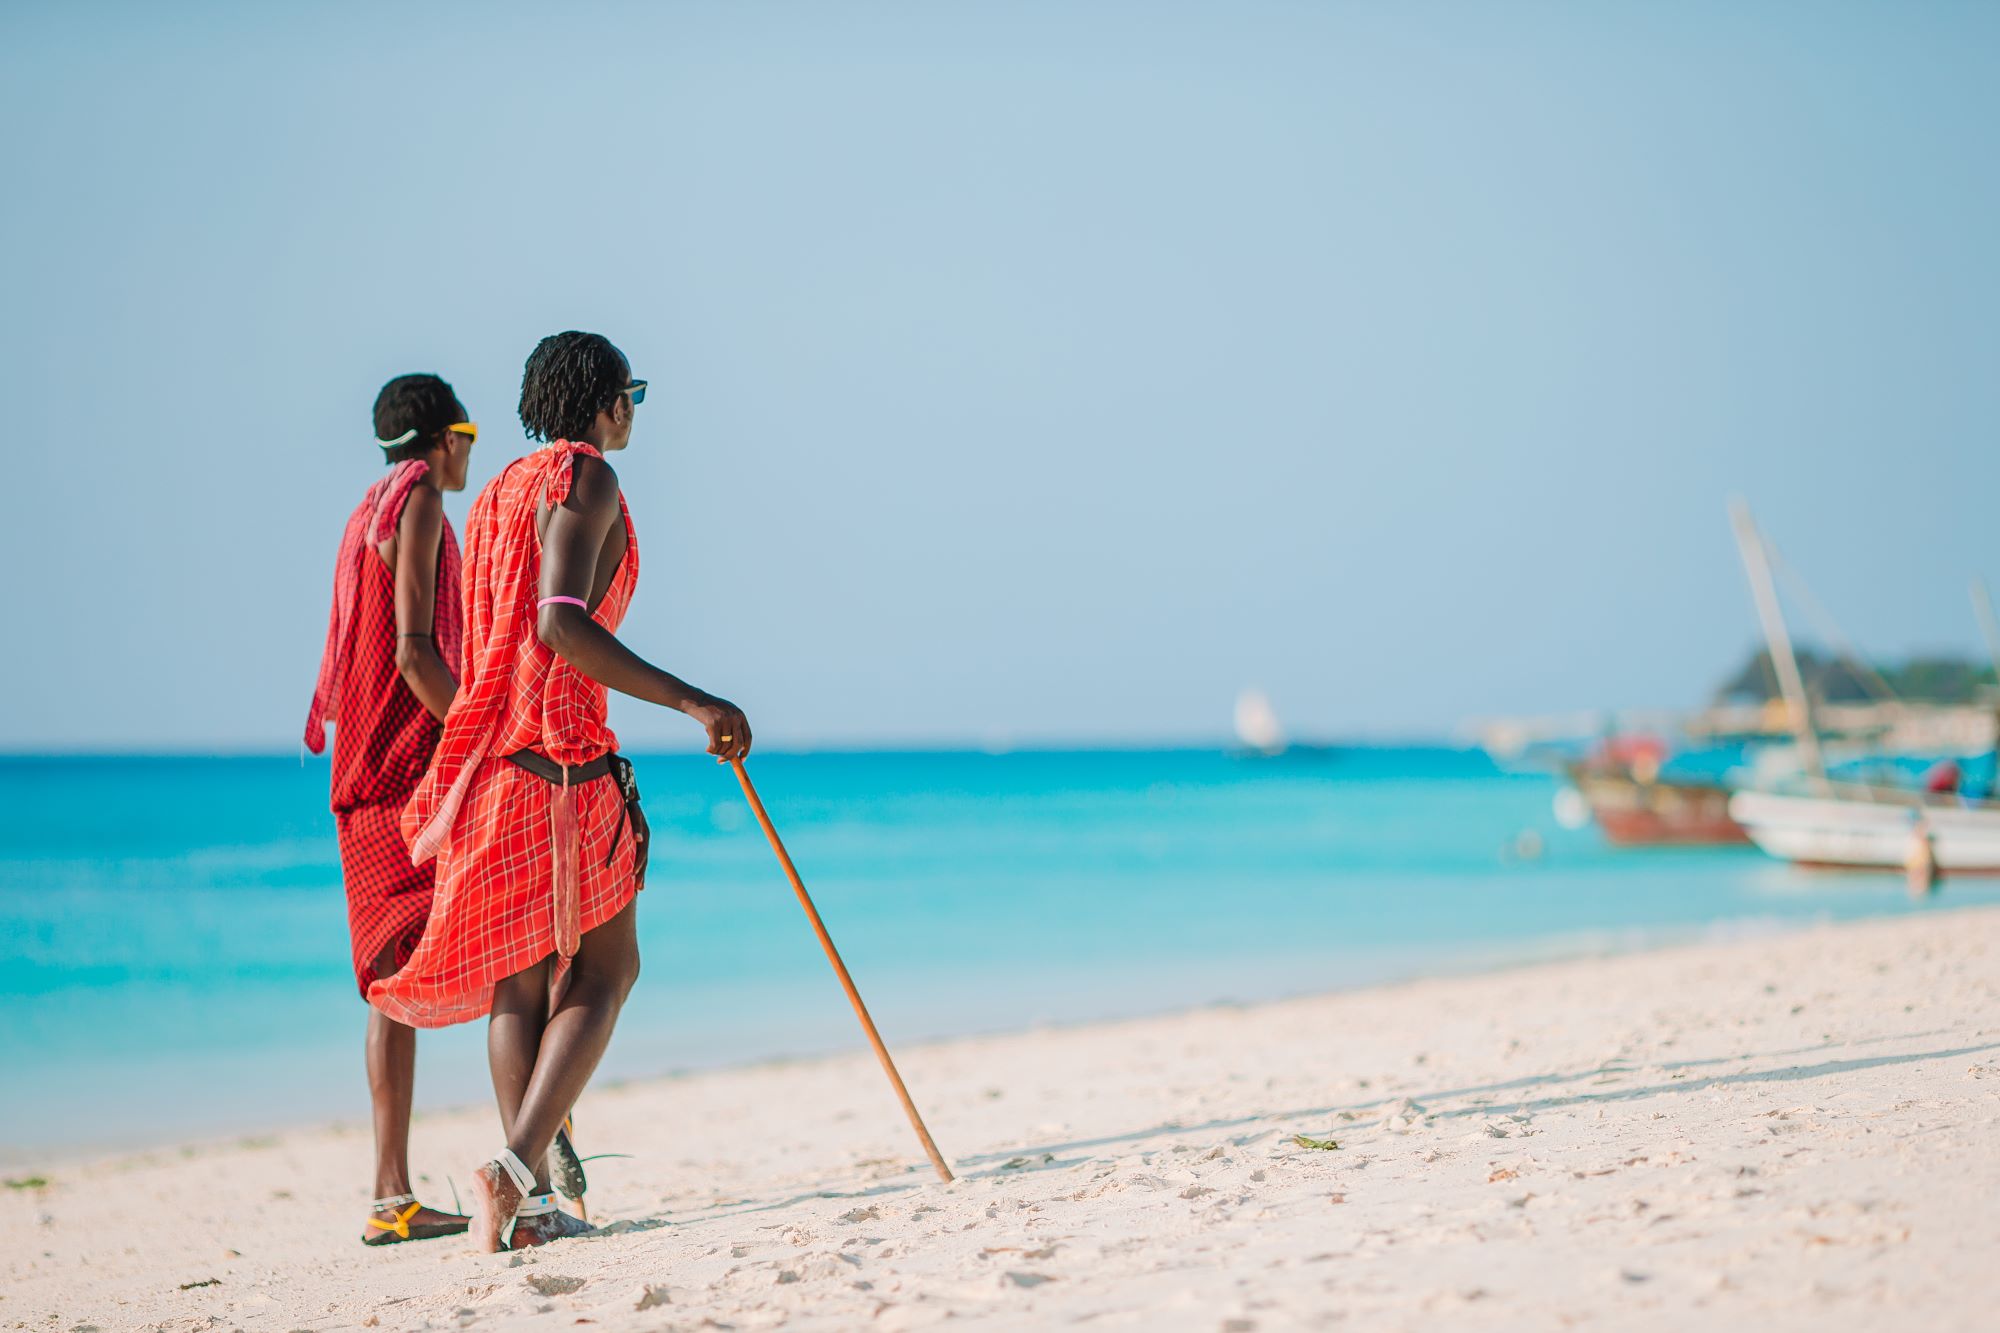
{"points": [[422, 403], [570, 378]]}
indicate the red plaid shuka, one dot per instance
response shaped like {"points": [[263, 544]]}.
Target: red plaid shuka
{"points": [[383, 736], [524, 867]]}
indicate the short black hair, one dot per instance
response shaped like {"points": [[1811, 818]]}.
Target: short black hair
{"points": [[422, 403], [570, 378]]}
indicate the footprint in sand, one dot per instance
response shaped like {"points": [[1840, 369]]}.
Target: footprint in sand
{"points": [[553, 1285]]}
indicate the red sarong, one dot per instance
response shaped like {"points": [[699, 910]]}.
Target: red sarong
{"points": [[524, 867], [383, 736]]}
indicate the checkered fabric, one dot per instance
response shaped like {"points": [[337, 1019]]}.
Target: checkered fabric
{"points": [[372, 523], [521, 864], [388, 898], [383, 736]]}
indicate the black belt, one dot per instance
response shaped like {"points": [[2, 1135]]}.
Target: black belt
{"points": [[560, 775]]}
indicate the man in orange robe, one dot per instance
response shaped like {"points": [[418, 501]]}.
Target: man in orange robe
{"points": [[531, 814]]}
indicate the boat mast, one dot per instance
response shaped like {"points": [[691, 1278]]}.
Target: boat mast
{"points": [[1982, 606], [1777, 640]]}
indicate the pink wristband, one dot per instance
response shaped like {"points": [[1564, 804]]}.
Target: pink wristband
{"points": [[566, 601]]}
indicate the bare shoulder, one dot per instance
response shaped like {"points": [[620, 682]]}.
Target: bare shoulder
{"points": [[422, 505], [422, 519], [593, 485]]}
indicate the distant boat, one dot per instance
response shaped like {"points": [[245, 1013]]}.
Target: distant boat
{"points": [[1257, 726], [1851, 825], [1636, 807], [1871, 828]]}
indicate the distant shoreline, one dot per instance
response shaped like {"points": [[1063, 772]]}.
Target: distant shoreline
{"points": [[1497, 961]]}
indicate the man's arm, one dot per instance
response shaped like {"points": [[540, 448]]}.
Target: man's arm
{"points": [[418, 535], [571, 545]]}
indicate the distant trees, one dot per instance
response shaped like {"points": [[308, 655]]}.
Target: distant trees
{"points": [[1838, 680]]}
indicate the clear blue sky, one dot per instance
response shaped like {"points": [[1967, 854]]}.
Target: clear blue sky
{"points": [[1044, 372]]}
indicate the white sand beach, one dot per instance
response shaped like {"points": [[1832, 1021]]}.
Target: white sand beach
{"points": [[1800, 1131]]}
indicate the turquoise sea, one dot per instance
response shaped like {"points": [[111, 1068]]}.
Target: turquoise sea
{"points": [[173, 953]]}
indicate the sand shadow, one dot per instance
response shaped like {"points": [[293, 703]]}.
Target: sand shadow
{"points": [[1353, 1111], [1788, 1074], [1072, 1153]]}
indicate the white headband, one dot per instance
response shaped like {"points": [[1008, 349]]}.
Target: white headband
{"points": [[404, 438]]}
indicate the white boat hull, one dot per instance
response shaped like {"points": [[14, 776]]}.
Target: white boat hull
{"points": [[1849, 831]]}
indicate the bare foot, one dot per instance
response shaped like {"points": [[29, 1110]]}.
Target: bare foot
{"points": [[495, 1196], [540, 1230], [424, 1224]]}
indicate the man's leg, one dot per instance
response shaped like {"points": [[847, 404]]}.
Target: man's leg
{"points": [[567, 1050], [514, 1037], [392, 1082], [392, 1079], [392, 1075], [601, 976]]}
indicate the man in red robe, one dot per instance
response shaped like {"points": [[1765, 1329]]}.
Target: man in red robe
{"points": [[393, 647]]}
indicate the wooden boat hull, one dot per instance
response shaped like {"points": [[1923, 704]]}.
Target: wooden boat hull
{"points": [[1856, 833], [1657, 814]]}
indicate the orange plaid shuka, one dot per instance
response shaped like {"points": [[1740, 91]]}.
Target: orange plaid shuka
{"points": [[524, 867]]}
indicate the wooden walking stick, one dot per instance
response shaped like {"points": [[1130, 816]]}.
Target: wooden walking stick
{"points": [[840, 970]]}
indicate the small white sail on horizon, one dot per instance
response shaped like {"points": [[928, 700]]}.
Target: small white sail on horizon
{"points": [[1257, 725]]}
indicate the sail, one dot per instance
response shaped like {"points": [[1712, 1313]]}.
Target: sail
{"points": [[1257, 726]]}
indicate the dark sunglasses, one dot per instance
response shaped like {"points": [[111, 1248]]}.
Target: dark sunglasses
{"points": [[637, 388]]}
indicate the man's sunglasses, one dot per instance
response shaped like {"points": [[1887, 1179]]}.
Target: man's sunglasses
{"points": [[637, 388]]}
